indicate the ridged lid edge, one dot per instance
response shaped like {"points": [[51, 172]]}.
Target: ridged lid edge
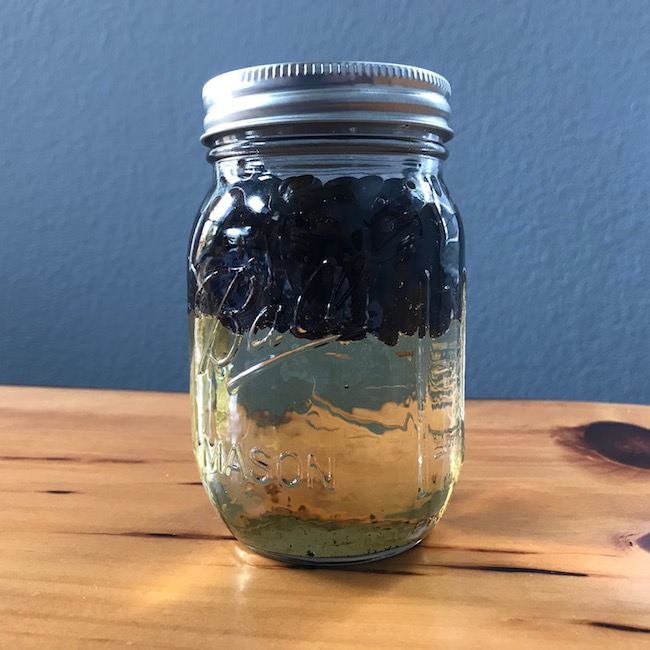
{"points": [[350, 70]]}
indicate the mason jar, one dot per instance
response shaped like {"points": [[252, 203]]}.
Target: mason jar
{"points": [[326, 310]]}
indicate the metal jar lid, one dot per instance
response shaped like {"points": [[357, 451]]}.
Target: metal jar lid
{"points": [[349, 91]]}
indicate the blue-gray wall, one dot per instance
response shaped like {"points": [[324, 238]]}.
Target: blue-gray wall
{"points": [[101, 173]]}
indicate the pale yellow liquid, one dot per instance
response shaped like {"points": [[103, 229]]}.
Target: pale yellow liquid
{"points": [[327, 451]]}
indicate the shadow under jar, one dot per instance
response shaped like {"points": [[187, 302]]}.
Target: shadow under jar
{"points": [[326, 309]]}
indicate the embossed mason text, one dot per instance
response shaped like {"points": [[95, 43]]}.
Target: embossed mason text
{"points": [[257, 466]]}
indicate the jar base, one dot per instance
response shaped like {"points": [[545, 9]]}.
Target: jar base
{"points": [[333, 562]]}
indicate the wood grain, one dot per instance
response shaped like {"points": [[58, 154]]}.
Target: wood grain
{"points": [[107, 539]]}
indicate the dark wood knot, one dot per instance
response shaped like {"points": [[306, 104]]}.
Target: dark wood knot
{"points": [[623, 443]]}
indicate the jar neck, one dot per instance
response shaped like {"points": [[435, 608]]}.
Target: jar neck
{"points": [[328, 150]]}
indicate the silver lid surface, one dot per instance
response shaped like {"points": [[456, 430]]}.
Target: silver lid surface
{"points": [[348, 91]]}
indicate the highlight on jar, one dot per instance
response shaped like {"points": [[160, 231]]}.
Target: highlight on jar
{"points": [[326, 299]]}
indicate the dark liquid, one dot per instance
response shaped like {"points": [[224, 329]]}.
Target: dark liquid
{"points": [[350, 258]]}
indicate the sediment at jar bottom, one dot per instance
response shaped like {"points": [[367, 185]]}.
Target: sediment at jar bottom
{"points": [[301, 539]]}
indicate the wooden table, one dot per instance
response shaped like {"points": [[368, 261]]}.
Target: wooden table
{"points": [[107, 538]]}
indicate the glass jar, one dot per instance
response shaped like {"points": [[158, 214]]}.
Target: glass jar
{"points": [[326, 303]]}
